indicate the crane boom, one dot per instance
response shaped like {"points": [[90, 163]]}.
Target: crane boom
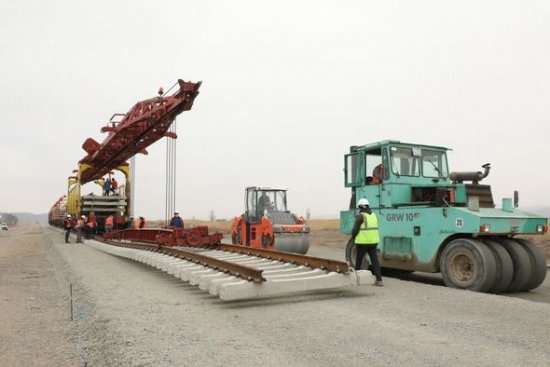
{"points": [[145, 123]]}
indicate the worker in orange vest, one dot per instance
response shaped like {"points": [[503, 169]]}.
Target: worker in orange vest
{"points": [[109, 224], [135, 223], [89, 228], [68, 225], [141, 222], [114, 185], [79, 227]]}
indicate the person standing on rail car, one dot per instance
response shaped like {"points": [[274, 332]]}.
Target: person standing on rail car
{"points": [[366, 238], [106, 187], [176, 221], [141, 222], [68, 225], [114, 185]]}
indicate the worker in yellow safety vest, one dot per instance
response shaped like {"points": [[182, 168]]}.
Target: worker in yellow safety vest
{"points": [[366, 238]]}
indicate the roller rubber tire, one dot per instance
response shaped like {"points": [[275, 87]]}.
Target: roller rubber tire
{"points": [[522, 264], [468, 264], [538, 264], [505, 267]]}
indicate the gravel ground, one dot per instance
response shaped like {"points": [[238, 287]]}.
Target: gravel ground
{"points": [[127, 314]]}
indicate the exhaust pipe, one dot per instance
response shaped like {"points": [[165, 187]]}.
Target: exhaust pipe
{"points": [[475, 177]]}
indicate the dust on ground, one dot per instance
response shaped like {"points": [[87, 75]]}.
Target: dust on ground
{"points": [[128, 314]]}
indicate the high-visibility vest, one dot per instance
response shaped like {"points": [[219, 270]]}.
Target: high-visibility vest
{"points": [[109, 221], [368, 233]]}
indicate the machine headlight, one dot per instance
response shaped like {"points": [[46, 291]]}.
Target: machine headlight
{"points": [[542, 229], [484, 228]]}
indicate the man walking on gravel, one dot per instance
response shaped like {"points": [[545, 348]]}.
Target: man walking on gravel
{"points": [[68, 225], [79, 227], [366, 238]]}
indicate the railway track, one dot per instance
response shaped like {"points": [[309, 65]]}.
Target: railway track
{"points": [[235, 272]]}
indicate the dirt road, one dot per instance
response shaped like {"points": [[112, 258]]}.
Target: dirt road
{"points": [[34, 327], [127, 314]]}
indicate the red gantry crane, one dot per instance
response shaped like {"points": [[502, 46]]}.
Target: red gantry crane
{"points": [[145, 123]]}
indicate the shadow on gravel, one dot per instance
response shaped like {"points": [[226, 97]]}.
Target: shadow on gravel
{"points": [[424, 278], [540, 294], [313, 296]]}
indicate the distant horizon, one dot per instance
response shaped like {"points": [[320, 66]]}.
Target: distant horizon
{"points": [[543, 210], [44, 217]]}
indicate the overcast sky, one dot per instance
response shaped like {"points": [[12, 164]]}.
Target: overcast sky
{"points": [[288, 86]]}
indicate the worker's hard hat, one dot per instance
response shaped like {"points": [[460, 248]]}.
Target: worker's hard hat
{"points": [[83, 217], [362, 202], [68, 215]]}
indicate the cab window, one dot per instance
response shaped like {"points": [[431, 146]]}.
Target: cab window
{"points": [[404, 161], [352, 178], [374, 168], [434, 164]]}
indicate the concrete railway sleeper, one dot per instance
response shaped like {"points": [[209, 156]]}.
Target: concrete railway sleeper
{"points": [[232, 274]]}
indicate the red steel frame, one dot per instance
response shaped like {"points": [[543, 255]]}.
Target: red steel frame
{"points": [[194, 237], [145, 123]]}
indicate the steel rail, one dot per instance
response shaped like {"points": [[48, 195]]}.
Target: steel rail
{"points": [[310, 261], [241, 271]]}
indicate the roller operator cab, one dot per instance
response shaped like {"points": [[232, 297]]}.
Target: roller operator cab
{"points": [[267, 223], [433, 220]]}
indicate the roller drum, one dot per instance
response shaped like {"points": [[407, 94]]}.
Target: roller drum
{"points": [[292, 242]]}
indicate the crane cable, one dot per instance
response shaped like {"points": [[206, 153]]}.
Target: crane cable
{"points": [[170, 175]]}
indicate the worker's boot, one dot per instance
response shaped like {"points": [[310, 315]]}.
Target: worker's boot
{"points": [[378, 283]]}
